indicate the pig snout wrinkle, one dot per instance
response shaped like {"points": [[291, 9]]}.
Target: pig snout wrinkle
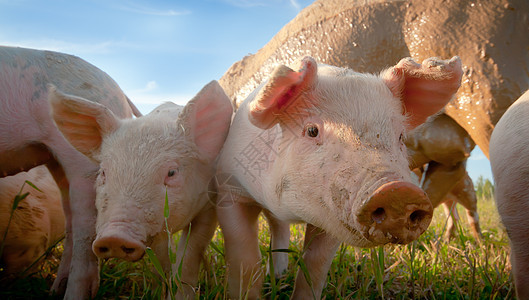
{"points": [[118, 247], [397, 212]]}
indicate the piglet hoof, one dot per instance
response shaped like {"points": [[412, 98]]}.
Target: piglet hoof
{"points": [[59, 286], [85, 287]]}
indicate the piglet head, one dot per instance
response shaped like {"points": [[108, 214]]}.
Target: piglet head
{"points": [[167, 153], [339, 161]]}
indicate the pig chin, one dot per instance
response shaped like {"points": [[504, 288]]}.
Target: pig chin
{"points": [[349, 235], [344, 229]]}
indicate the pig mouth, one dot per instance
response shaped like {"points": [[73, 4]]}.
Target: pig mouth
{"points": [[360, 240]]}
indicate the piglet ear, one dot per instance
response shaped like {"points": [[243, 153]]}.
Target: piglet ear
{"points": [[207, 118], [283, 87], [83, 123], [424, 89]]}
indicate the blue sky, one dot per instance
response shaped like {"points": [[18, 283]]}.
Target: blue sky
{"points": [[157, 50]]}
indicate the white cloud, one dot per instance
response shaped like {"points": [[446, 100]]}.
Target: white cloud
{"points": [[146, 102], [144, 10], [64, 46], [158, 99], [295, 4], [253, 3], [478, 156], [147, 98], [245, 3], [150, 86], [14, 3]]}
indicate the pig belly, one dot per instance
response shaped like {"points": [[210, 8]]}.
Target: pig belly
{"points": [[23, 159]]}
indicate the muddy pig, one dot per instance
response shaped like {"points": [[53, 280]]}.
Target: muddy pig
{"points": [[36, 224], [509, 160], [438, 151], [462, 193], [171, 151], [324, 145]]}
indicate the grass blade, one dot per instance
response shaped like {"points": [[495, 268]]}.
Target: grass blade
{"points": [[156, 263]]}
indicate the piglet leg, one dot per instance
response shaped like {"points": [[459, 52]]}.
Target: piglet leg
{"points": [[240, 228], [319, 249], [193, 243]]}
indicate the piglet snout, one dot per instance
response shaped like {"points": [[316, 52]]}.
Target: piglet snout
{"points": [[119, 246], [397, 212]]}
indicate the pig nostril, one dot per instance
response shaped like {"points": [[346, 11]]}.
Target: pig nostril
{"points": [[128, 250], [416, 217], [103, 249], [379, 215]]}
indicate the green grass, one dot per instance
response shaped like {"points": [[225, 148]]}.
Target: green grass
{"points": [[428, 268]]}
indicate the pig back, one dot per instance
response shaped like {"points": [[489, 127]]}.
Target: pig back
{"points": [[25, 74], [340, 33], [29, 136], [491, 37]]}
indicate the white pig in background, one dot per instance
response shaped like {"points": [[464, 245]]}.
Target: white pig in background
{"points": [[324, 145], [509, 159], [171, 150], [36, 224]]}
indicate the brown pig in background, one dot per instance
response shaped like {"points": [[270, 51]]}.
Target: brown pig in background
{"points": [[36, 224], [437, 149]]}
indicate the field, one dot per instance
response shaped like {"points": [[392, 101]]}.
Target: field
{"points": [[429, 268]]}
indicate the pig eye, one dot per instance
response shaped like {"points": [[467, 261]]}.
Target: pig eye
{"points": [[312, 131], [401, 137], [172, 177]]}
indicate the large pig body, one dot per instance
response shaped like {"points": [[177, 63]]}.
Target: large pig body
{"points": [[509, 160], [461, 193], [324, 145], [491, 37], [36, 224], [168, 153], [28, 137]]}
